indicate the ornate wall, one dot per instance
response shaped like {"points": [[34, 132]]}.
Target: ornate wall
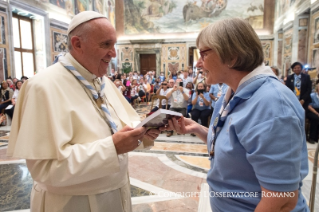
{"points": [[313, 53], [267, 49], [5, 65], [287, 49], [174, 57]]}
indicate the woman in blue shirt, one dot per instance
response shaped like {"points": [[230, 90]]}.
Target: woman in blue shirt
{"points": [[201, 104], [256, 140], [313, 116]]}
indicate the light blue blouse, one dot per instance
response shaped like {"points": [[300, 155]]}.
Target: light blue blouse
{"points": [[262, 143]]}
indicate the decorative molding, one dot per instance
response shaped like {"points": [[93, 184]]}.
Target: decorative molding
{"points": [[146, 41], [288, 25], [58, 24], [28, 7], [303, 8], [314, 7], [266, 37]]}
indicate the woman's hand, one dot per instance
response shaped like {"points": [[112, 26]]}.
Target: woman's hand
{"points": [[201, 95], [181, 125]]}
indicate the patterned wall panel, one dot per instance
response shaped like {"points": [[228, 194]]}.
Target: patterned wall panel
{"points": [[279, 50], [287, 50], [59, 40], [126, 58], [303, 40], [267, 49], [313, 52], [174, 57], [5, 67]]}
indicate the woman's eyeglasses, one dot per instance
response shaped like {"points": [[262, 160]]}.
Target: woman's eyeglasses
{"points": [[164, 84], [202, 55]]}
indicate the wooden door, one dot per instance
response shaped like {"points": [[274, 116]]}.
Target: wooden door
{"points": [[148, 63]]}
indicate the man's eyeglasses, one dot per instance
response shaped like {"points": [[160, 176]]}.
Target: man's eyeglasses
{"points": [[202, 55]]}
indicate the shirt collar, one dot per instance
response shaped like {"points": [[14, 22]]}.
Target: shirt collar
{"points": [[246, 88], [83, 71], [298, 76]]}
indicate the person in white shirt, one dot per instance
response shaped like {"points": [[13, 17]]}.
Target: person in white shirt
{"points": [[162, 92], [118, 83], [186, 78], [180, 96]]}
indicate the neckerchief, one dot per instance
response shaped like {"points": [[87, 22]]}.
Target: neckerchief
{"points": [[98, 96], [229, 103]]}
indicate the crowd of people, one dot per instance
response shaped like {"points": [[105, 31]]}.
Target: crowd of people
{"points": [[9, 95], [186, 93], [189, 94]]}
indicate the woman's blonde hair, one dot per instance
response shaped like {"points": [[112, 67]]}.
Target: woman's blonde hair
{"points": [[233, 39]]}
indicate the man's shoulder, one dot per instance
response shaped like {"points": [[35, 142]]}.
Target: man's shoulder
{"points": [[53, 75]]}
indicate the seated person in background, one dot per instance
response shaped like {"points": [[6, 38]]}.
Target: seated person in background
{"points": [[10, 83], [129, 81], [190, 87], [201, 102], [14, 80], [216, 91], [14, 98], [157, 85], [135, 75], [313, 115], [130, 74], [180, 96], [162, 92], [134, 91], [186, 79], [127, 93], [162, 77], [141, 88], [6, 96], [118, 83], [116, 76], [123, 79]]}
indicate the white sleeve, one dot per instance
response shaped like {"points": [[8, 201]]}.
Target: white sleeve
{"points": [[86, 162]]}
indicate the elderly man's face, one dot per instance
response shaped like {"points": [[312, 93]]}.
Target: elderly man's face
{"points": [[98, 49]]}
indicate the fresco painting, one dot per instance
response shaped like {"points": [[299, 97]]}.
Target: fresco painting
{"points": [[59, 3], [111, 11], [82, 5], [170, 16]]}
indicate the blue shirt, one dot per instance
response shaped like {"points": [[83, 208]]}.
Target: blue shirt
{"points": [[315, 101], [262, 143], [217, 91], [200, 104]]}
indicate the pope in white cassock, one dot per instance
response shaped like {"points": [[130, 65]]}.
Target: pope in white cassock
{"points": [[74, 127]]}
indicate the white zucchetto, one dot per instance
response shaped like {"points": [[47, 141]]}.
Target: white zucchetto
{"points": [[83, 17]]}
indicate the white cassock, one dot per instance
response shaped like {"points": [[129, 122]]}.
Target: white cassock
{"points": [[60, 131]]}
